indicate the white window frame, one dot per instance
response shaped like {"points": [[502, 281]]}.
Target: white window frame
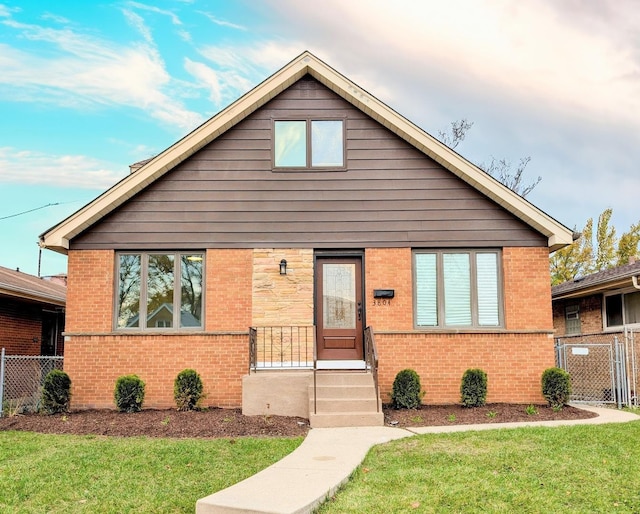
{"points": [[617, 328], [440, 288]]}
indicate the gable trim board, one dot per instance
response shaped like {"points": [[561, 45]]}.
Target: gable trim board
{"points": [[58, 237]]}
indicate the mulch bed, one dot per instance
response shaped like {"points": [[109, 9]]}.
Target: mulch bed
{"points": [[215, 423]]}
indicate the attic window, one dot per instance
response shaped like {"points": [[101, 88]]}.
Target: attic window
{"points": [[301, 144]]}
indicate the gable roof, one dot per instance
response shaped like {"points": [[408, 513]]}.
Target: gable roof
{"points": [[57, 238], [16, 284], [606, 280]]}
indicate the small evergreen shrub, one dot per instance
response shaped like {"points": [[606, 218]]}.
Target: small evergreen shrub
{"points": [[406, 392], [473, 390], [129, 393], [187, 390], [556, 387], [56, 392]]}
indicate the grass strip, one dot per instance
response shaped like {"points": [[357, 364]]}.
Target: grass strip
{"points": [[82, 474], [586, 468]]}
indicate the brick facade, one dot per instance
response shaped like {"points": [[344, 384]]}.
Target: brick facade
{"points": [[514, 359], [21, 327], [244, 288], [590, 312]]}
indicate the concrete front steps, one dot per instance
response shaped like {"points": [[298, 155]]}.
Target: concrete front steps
{"points": [[344, 399]]}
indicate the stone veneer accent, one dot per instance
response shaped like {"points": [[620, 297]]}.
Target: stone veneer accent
{"points": [[282, 300]]}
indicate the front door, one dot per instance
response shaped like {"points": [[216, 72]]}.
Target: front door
{"points": [[339, 309]]}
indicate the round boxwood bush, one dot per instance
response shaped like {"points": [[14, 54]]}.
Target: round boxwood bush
{"points": [[56, 392], [556, 387], [187, 390], [473, 390], [406, 392], [129, 393]]}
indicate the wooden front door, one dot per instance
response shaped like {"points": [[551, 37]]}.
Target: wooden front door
{"points": [[339, 309]]}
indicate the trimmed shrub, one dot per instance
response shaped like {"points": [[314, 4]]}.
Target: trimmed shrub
{"points": [[187, 390], [473, 390], [129, 393], [556, 387], [56, 392], [406, 392]]}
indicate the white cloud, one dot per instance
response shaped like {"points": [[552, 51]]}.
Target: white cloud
{"points": [[32, 167], [78, 70], [151, 8], [205, 76], [222, 23]]}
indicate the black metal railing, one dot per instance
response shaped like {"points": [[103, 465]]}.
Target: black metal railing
{"points": [[281, 347], [371, 359]]}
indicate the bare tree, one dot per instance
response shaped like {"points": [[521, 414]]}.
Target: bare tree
{"points": [[500, 169], [456, 133]]}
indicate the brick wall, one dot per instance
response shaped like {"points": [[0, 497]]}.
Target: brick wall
{"points": [[228, 290], [389, 268], [95, 355], [243, 288], [20, 325], [95, 362], [527, 289], [590, 314], [514, 360], [90, 290]]}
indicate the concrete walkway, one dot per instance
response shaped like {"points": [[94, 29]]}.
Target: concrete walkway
{"points": [[326, 458]]}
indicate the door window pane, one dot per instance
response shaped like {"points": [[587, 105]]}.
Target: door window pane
{"points": [[487, 286], [327, 143], [191, 291], [426, 290], [290, 144], [339, 300], [128, 301], [160, 284], [457, 289]]}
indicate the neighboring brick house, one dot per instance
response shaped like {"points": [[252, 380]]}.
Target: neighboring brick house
{"points": [[607, 301], [31, 314], [307, 204]]}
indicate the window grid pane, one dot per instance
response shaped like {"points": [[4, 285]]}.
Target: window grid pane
{"points": [[327, 143], [160, 284], [487, 287], [191, 291], [457, 289], [426, 290], [128, 301], [290, 144]]}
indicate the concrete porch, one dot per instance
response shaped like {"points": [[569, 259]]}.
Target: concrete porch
{"points": [[339, 397]]}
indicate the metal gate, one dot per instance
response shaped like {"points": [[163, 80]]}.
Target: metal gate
{"points": [[602, 367], [21, 378]]}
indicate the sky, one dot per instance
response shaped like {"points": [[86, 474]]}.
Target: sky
{"points": [[86, 92]]}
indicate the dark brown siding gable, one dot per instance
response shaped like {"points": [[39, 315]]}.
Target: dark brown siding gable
{"points": [[228, 196]]}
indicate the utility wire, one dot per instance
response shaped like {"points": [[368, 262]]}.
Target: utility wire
{"points": [[31, 210]]}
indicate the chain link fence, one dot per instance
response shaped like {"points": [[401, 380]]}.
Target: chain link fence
{"points": [[21, 379], [603, 366]]}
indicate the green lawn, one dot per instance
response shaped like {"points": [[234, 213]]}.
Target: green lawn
{"points": [[580, 469], [68, 474]]}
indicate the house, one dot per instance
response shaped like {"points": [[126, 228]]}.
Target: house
{"points": [[31, 314], [606, 301], [308, 228]]}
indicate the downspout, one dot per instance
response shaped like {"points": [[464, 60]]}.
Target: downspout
{"points": [[634, 280]]}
